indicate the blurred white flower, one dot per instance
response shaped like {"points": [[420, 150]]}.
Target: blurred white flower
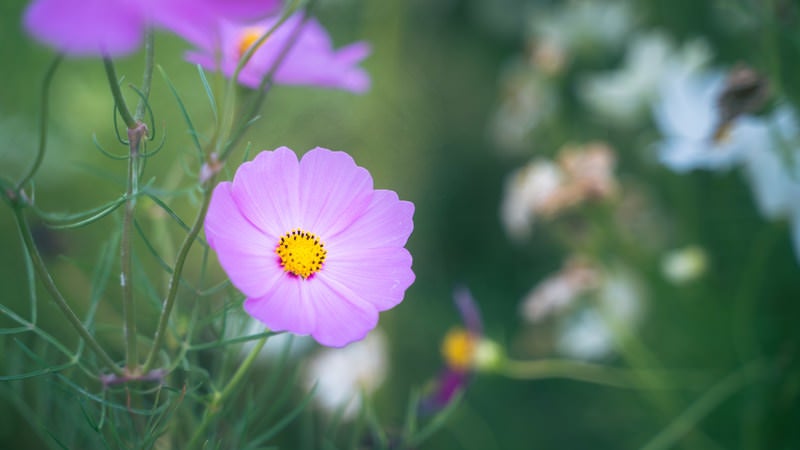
{"points": [[527, 192], [527, 100], [687, 115], [544, 188], [684, 264], [342, 375], [585, 335], [624, 95], [590, 333], [556, 292], [773, 171], [584, 26], [775, 179]]}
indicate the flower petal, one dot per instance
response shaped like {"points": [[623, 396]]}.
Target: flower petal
{"points": [[343, 318], [379, 277], [289, 307], [334, 191], [86, 27], [265, 190], [245, 252], [387, 222]]}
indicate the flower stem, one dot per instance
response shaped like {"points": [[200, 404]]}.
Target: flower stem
{"points": [[174, 281], [44, 112], [219, 397], [147, 77], [266, 81], [684, 423], [55, 294], [578, 371], [135, 137], [119, 100]]}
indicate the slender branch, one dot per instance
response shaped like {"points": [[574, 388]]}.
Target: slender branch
{"points": [[684, 423], [135, 137], [578, 371], [55, 294], [219, 397], [43, 116], [266, 81], [174, 281], [119, 100], [147, 76]]}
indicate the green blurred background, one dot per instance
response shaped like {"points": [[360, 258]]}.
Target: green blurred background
{"points": [[423, 131]]}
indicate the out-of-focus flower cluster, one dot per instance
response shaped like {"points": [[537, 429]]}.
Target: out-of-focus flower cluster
{"points": [[587, 304], [545, 188], [650, 102]]}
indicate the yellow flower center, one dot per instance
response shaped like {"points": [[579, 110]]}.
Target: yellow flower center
{"points": [[248, 38], [458, 349], [301, 253]]}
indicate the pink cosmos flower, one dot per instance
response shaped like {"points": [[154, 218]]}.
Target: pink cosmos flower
{"points": [[311, 60], [116, 27], [314, 248]]}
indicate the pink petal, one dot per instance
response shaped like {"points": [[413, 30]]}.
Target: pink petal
{"points": [[379, 277], [289, 307], [334, 191], [387, 222], [341, 317], [246, 254], [265, 191], [197, 20], [86, 27]]}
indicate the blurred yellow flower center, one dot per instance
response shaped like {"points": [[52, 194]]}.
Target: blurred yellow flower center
{"points": [[248, 38], [301, 253], [458, 349]]}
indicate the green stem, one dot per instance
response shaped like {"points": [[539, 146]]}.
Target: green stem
{"points": [[219, 397], [174, 281], [135, 136], [137, 132], [684, 423], [147, 77], [119, 100], [44, 112], [59, 300], [579, 371], [224, 148]]}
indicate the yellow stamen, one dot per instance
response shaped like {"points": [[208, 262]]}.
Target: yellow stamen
{"points": [[248, 38], [458, 349], [301, 253]]}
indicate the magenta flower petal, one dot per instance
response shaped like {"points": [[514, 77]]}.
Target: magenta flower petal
{"points": [[116, 27], [347, 318], [86, 27], [272, 204], [382, 284], [328, 249], [198, 20], [288, 307], [387, 222], [244, 251], [333, 190], [311, 61]]}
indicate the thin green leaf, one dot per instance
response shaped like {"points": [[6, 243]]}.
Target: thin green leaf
{"points": [[438, 421], [186, 116], [285, 420], [209, 92]]}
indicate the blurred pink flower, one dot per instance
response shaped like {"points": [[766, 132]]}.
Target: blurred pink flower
{"points": [[314, 248], [311, 60], [556, 292], [116, 27]]}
